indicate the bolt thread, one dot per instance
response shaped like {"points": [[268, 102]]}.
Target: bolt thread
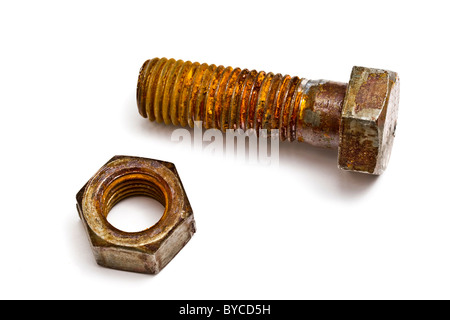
{"points": [[181, 92]]}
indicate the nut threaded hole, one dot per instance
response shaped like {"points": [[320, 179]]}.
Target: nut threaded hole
{"points": [[134, 204]]}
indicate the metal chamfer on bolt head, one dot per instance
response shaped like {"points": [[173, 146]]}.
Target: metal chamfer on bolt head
{"points": [[146, 251], [358, 118]]}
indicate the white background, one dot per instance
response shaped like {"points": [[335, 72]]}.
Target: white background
{"points": [[304, 230]]}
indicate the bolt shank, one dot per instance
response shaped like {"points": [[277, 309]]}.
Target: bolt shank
{"points": [[181, 93]]}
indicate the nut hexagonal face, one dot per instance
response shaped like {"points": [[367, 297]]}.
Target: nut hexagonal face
{"points": [[146, 251], [369, 120]]}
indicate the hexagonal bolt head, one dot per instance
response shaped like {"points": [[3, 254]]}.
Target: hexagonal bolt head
{"points": [[147, 251], [369, 120]]}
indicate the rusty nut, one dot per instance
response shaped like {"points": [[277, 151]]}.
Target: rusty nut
{"points": [[369, 120], [146, 251]]}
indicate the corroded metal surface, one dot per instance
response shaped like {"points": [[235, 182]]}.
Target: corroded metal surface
{"points": [[310, 111], [320, 116], [369, 120], [147, 251], [181, 92]]}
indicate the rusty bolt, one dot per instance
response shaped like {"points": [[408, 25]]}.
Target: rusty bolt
{"points": [[358, 118], [147, 251]]}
